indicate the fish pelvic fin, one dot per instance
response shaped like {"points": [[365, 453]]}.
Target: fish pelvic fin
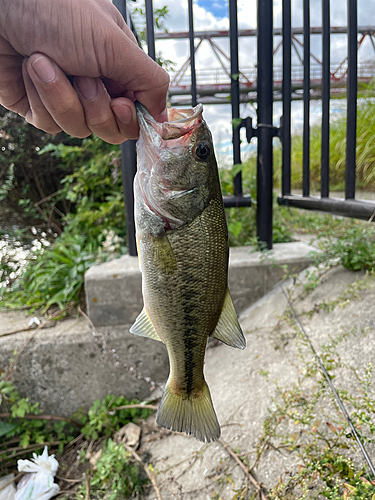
{"points": [[143, 327], [192, 415], [228, 329]]}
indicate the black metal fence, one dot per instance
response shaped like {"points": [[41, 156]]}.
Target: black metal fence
{"points": [[265, 131], [348, 207]]}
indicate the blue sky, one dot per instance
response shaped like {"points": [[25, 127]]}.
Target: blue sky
{"points": [[219, 8]]}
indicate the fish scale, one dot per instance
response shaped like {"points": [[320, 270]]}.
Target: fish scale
{"points": [[189, 305]]}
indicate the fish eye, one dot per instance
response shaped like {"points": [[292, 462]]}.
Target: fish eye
{"points": [[202, 151]]}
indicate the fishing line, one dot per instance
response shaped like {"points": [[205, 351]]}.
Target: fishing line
{"points": [[328, 378]]}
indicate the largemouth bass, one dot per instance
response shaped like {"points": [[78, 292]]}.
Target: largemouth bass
{"points": [[183, 249]]}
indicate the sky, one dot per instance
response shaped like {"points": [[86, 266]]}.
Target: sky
{"points": [[213, 15]]}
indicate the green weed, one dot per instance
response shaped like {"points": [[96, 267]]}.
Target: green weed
{"points": [[29, 431], [355, 250], [117, 475], [365, 166], [103, 419], [55, 275]]}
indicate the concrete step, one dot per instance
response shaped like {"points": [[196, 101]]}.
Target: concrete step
{"points": [[114, 295], [69, 365]]}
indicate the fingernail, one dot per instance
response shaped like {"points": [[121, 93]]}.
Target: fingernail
{"points": [[87, 87], [45, 69], [163, 117], [123, 113]]}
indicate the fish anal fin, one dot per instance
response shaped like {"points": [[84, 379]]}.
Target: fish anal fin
{"points": [[143, 327], [228, 329]]}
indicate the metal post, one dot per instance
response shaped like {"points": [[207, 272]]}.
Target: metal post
{"points": [[325, 99], [121, 6], [235, 92], [150, 29], [351, 116], [306, 99], [287, 96], [128, 169], [192, 56], [265, 102]]}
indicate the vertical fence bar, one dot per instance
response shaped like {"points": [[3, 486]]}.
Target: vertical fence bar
{"points": [[287, 95], [128, 168], [351, 116], [121, 6], [150, 29], [265, 102], [306, 99], [324, 188], [235, 92], [192, 55]]}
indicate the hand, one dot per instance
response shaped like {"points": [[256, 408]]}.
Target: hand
{"points": [[43, 41]]}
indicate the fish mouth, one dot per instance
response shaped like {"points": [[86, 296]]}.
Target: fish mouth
{"points": [[181, 123]]}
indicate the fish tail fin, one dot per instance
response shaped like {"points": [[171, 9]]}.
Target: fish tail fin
{"points": [[192, 415]]}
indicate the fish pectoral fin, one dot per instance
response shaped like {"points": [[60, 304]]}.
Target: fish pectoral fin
{"points": [[143, 326], [228, 329]]}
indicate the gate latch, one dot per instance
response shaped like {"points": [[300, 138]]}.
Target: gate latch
{"points": [[247, 124]]}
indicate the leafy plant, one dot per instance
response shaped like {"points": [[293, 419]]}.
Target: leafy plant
{"points": [[117, 475], [103, 419], [55, 275], [355, 250], [160, 16], [365, 150], [242, 221], [29, 431], [94, 188], [29, 181]]}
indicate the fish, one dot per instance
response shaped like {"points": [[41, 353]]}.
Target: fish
{"points": [[183, 250]]}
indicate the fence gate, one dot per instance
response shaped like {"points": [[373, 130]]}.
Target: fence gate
{"points": [[266, 89]]}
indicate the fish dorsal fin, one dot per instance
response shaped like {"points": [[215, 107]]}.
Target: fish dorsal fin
{"points": [[228, 329], [143, 326]]}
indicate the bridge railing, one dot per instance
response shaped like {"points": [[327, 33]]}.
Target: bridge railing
{"points": [[219, 76]]}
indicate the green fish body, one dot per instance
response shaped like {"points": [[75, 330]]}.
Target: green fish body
{"points": [[183, 249]]}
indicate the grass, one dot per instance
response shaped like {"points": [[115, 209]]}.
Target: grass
{"points": [[365, 171]]}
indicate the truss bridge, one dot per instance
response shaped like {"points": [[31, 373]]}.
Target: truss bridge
{"points": [[213, 84]]}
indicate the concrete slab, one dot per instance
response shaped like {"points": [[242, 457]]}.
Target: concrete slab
{"points": [[67, 367], [113, 289]]}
